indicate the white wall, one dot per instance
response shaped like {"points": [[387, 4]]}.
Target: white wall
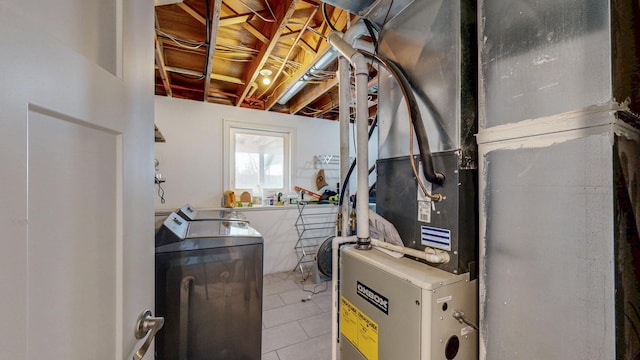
{"points": [[192, 158], [191, 161], [88, 27]]}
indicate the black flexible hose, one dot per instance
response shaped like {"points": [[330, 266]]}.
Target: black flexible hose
{"points": [[326, 17], [346, 181], [372, 33], [353, 164], [416, 120], [415, 116]]}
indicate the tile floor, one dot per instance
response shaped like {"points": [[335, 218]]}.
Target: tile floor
{"points": [[293, 329]]}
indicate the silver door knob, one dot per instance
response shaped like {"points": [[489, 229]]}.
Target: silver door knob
{"points": [[147, 324]]}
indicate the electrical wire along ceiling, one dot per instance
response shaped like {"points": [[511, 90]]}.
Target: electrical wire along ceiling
{"points": [[261, 54]]}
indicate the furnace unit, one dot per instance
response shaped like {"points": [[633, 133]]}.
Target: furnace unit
{"points": [[404, 308]]}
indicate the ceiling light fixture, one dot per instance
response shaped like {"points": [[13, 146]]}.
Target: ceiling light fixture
{"points": [[265, 76]]}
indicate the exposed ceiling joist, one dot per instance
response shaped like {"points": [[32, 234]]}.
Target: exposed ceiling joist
{"points": [[234, 19], [317, 92], [284, 36], [169, 44], [286, 58], [211, 40], [255, 32], [159, 54], [189, 10], [308, 59], [283, 12], [306, 47], [309, 96], [221, 77], [290, 35], [246, 25], [161, 67], [326, 107], [229, 79]]}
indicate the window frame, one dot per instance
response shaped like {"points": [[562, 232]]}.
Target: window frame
{"points": [[231, 128]]}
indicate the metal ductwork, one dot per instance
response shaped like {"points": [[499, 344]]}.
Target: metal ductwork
{"points": [[319, 66], [351, 36], [353, 6], [378, 12]]}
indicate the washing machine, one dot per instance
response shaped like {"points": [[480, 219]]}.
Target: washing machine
{"points": [[209, 289]]}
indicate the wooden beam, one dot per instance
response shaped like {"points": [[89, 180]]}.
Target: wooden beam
{"points": [[161, 66], [306, 47], [225, 78], [191, 11], [286, 58], [373, 110], [328, 106], [159, 54], [234, 19], [308, 97], [293, 33], [168, 44], [289, 35], [273, 31], [215, 18], [308, 60], [247, 26], [255, 32], [229, 10]]}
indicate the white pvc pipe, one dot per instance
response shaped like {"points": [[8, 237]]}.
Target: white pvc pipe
{"points": [[429, 254], [335, 250], [362, 141], [362, 123], [351, 37], [335, 39], [354, 32], [362, 44], [344, 116]]}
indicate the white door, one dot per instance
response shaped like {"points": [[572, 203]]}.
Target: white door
{"points": [[76, 188]]}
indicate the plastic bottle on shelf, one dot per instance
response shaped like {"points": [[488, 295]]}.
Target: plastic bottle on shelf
{"points": [[257, 195]]}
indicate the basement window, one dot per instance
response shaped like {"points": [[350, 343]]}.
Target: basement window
{"points": [[258, 156]]}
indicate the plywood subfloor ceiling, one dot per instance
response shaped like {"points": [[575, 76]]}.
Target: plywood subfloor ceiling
{"points": [[220, 50]]}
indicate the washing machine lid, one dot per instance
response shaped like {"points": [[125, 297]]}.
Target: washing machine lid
{"points": [[190, 213], [210, 234], [209, 243], [220, 228]]}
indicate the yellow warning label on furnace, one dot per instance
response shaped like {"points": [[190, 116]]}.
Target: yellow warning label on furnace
{"points": [[359, 329]]}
